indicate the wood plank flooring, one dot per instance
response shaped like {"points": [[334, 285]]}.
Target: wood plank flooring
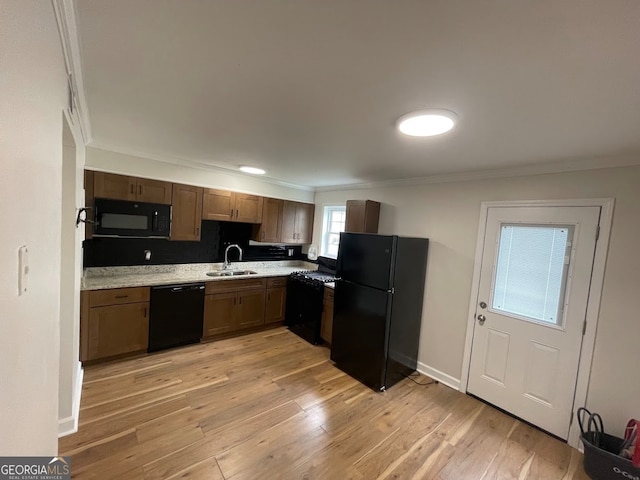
{"points": [[270, 405]]}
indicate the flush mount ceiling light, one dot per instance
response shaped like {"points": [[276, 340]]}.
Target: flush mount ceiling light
{"points": [[427, 123], [252, 170]]}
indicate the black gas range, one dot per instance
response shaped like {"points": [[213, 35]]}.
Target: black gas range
{"points": [[305, 292]]}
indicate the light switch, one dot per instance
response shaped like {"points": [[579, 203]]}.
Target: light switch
{"points": [[23, 266]]}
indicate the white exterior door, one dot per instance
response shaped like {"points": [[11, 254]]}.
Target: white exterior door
{"points": [[534, 286]]}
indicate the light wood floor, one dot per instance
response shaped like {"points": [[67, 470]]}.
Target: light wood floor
{"points": [[271, 406]]}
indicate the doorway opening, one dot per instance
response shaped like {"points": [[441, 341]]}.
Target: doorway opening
{"points": [[69, 383]]}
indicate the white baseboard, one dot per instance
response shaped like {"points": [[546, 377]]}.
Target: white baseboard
{"points": [[441, 377], [66, 426], [69, 425]]}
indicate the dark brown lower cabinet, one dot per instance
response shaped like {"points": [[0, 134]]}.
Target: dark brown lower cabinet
{"points": [[219, 314], [233, 305], [326, 325], [276, 300], [113, 322], [275, 305], [118, 329], [250, 309], [229, 312]]}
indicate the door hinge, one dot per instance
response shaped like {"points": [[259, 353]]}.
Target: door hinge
{"points": [[597, 232], [584, 327]]}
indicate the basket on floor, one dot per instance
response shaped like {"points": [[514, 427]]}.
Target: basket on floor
{"points": [[601, 459]]}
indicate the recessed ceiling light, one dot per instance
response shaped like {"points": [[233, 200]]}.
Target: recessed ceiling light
{"points": [[427, 123], [252, 170]]}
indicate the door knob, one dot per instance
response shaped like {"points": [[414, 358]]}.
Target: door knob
{"points": [[481, 319]]}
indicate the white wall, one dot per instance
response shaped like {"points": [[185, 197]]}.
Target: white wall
{"points": [[448, 214], [33, 90], [109, 161]]}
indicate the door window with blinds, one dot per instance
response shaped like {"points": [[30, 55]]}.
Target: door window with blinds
{"points": [[531, 270]]}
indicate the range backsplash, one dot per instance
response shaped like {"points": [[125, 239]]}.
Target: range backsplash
{"points": [[215, 236]]}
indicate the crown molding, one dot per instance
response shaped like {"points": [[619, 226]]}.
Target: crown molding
{"points": [[65, 14], [520, 171], [183, 162]]}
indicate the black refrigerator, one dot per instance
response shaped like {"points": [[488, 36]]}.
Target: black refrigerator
{"points": [[378, 307]]}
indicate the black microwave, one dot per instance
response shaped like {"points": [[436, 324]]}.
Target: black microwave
{"points": [[121, 218]]}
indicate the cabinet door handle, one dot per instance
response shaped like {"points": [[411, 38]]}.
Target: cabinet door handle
{"points": [[197, 231], [133, 188], [145, 312], [236, 214], [240, 300], [139, 189], [122, 296], [231, 214]]}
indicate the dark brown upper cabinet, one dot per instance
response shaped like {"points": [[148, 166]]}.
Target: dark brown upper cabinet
{"points": [[217, 205], [270, 228], [297, 222], [186, 215], [122, 187], [154, 191], [248, 208], [228, 206], [116, 187], [362, 216]]}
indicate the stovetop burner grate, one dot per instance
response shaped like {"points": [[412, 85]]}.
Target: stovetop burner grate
{"points": [[325, 273], [315, 276]]}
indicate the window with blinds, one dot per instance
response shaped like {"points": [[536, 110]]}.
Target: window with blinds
{"points": [[531, 272]]}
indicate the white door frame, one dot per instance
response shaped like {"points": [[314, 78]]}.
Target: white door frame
{"points": [[593, 304]]}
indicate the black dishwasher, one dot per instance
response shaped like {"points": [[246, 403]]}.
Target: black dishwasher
{"points": [[176, 315]]}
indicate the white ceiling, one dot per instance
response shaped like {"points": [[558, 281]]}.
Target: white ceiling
{"points": [[310, 89]]}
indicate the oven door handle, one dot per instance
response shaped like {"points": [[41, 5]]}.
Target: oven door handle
{"points": [[154, 222]]}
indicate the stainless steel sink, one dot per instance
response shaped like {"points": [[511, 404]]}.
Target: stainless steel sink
{"points": [[231, 273]]}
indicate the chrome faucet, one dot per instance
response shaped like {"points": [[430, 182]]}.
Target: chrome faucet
{"points": [[226, 255]]}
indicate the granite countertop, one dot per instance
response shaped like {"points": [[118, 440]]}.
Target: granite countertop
{"points": [[99, 278], [331, 285]]}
